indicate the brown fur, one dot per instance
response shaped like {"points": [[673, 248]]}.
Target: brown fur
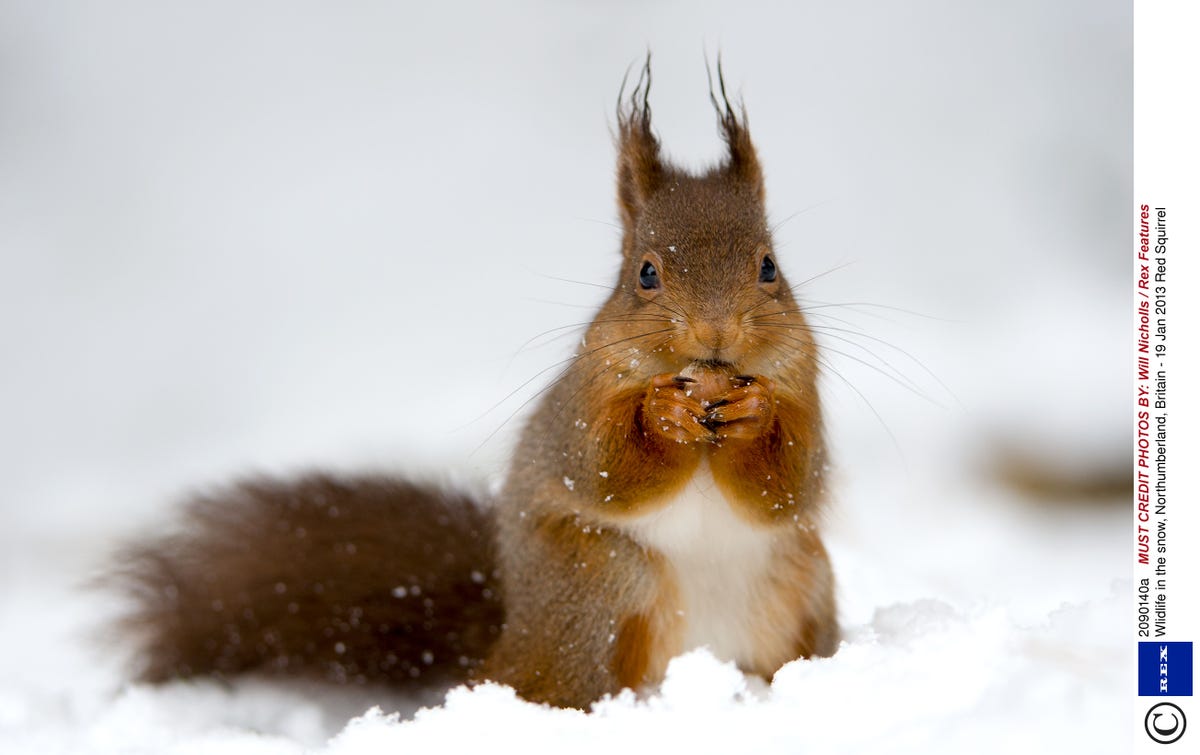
{"points": [[306, 577], [631, 657], [714, 365]]}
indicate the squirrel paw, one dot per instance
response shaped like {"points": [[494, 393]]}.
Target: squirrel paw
{"points": [[746, 412], [672, 411]]}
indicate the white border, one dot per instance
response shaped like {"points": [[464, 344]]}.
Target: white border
{"points": [[1166, 172]]}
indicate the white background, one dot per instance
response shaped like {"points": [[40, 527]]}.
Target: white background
{"points": [[265, 237]]}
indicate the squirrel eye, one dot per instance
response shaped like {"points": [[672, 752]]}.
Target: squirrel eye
{"points": [[649, 275], [766, 274]]}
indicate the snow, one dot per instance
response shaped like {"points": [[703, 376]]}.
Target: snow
{"points": [[270, 237]]}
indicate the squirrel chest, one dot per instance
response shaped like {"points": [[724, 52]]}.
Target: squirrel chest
{"points": [[718, 565]]}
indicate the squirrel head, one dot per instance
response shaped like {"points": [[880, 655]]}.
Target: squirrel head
{"points": [[698, 264]]}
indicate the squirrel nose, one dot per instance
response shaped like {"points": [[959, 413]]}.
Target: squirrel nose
{"points": [[716, 335]]}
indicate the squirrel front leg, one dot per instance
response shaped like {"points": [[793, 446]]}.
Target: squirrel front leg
{"points": [[645, 444], [768, 451]]}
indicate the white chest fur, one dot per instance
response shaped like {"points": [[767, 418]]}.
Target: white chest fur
{"points": [[720, 563]]}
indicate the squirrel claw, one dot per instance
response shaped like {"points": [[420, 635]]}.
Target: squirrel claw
{"points": [[672, 412], [744, 413]]}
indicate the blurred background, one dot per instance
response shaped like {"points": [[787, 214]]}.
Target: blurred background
{"points": [[265, 237]]}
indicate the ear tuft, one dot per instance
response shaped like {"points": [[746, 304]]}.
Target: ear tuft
{"points": [[640, 168], [742, 161]]}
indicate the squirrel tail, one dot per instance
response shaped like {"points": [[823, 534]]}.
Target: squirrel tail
{"points": [[354, 579]]}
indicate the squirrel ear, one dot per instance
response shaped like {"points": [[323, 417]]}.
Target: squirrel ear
{"points": [[742, 161], [640, 168]]}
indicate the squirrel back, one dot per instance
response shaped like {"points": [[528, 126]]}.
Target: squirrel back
{"points": [[665, 493]]}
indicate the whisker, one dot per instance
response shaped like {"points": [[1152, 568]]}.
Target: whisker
{"points": [[568, 361], [908, 382], [600, 373], [680, 315], [827, 330], [571, 362], [792, 289], [804, 282], [597, 221], [915, 360], [822, 315], [570, 329], [760, 320], [798, 213], [898, 378], [852, 304], [830, 271], [575, 305], [826, 365], [629, 318]]}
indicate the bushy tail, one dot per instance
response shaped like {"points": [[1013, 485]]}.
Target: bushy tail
{"points": [[355, 579]]}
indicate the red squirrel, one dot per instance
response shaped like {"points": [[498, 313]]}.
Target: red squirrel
{"points": [[664, 494]]}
